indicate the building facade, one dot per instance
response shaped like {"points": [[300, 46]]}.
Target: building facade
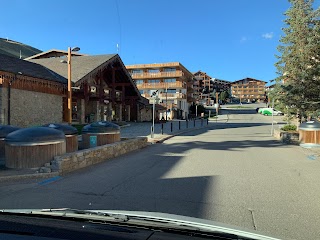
{"points": [[102, 87], [249, 90], [30, 94], [173, 85], [206, 87]]}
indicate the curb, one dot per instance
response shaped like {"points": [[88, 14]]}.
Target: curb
{"points": [[54, 174], [29, 176], [161, 140]]}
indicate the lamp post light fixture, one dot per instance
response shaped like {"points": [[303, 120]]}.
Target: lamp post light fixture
{"points": [[69, 118]]}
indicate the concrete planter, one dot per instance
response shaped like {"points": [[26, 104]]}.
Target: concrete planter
{"points": [[287, 137], [72, 161]]}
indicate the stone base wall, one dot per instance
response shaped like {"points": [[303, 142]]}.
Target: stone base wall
{"points": [[31, 108], [72, 161], [287, 137], [145, 115]]}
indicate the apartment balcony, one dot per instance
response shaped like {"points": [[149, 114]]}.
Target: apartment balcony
{"points": [[168, 95], [170, 105], [153, 65], [161, 85], [150, 75]]}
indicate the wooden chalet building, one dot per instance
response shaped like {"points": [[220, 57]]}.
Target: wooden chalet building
{"points": [[174, 84], [102, 87], [249, 90], [205, 85], [30, 94]]}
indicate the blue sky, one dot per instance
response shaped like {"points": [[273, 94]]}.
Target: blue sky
{"points": [[227, 39]]}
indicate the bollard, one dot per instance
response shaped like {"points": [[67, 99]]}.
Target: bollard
{"points": [[152, 132], [207, 121], [171, 126], [194, 123], [161, 128], [179, 125]]}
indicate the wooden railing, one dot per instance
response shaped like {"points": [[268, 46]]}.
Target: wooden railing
{"points": [[153, 65], [144, 75], [168, 95], [161, 85]]}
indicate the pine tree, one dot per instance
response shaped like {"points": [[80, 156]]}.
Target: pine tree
{"points": [[298, 84]]}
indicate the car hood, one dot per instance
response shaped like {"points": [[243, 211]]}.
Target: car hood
{"points": [[154, 217]]}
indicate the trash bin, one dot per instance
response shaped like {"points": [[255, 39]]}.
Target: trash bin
{"points": [[4, 131], [71, 134], [100, 133], [33, 147], [309, 134]]}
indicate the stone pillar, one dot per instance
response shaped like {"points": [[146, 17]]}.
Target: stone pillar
{"points": [[97, 111], [102, 116], [109, 115], [120, 112], [128, 107], [82, 111]]}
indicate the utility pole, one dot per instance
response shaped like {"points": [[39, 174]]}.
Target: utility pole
{"points": [[272, 117]]}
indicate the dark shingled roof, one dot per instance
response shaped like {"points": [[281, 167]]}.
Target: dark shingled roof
{"points": [[15, 65], [248, 79], [82, 64], [13, 48]]}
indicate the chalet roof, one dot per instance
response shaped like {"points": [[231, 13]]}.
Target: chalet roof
{"points": [[248, 79], [81, 65], [221, 80], [53, 52], [86, 67], [16, 49], [18, 66]]}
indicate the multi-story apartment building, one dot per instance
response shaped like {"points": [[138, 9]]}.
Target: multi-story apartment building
{"points": [[249, 90], [173, 82], [205, 86]]}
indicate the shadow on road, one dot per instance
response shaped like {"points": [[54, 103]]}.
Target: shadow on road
{"points": [[147, 180]]}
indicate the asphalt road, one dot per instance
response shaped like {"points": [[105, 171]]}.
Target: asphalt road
{"points": [[232, 172]]}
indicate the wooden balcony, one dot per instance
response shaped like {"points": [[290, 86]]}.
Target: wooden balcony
{"points": [[169, 106], [161, 85], [168, 95], [153, 65], [152, 75]]}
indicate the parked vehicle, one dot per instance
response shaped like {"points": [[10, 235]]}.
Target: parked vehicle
{"points": [[268, 112], [261, 110]]}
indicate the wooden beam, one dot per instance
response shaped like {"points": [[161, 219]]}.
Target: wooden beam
{"points": [[127, 84]]}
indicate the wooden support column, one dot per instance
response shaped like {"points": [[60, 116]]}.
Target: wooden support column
{"points": [[113, 90], [101, 97], [101, 90], [123, 105]]}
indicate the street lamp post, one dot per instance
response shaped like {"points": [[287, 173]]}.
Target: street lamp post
{"points": [[69, 118], [166, 102], [153, 95]]}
